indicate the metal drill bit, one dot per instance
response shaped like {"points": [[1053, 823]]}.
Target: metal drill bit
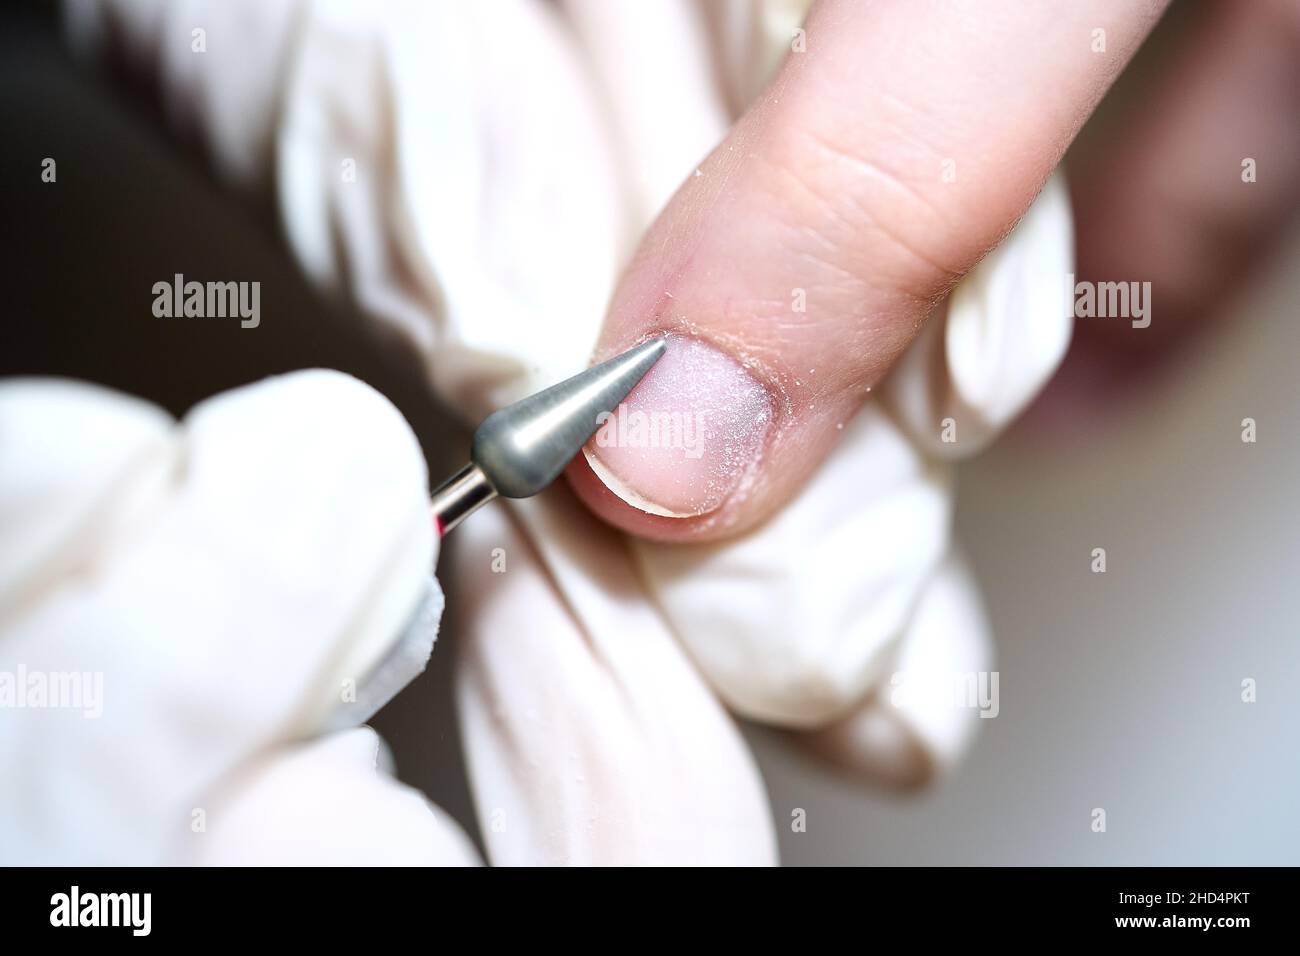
{"points": [[522, 448]]}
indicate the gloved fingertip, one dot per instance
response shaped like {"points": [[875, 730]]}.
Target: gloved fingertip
{"points": [[920, 720], [876, 744]]}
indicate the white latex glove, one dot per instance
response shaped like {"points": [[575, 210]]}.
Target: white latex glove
{"points": [[186, 609], [507, 156]]}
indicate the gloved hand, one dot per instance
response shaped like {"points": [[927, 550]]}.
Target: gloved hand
{"points": [[478, 176], [186, 611]]}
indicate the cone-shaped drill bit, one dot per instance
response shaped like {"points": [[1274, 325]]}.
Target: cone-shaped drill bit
{"points": [[522, 448]]}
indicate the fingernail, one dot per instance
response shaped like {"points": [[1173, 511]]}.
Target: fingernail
{"points": [[684, 439]]}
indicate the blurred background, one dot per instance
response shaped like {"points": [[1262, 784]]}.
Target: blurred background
{"points": [[1119, 691]]}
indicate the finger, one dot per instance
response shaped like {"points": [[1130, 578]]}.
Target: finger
{"points": [[811, 644], [589, 736], [800, 643], [236, 580], [922, 715], [327, 802], [830, 195], [995, 342], [69, 449]]}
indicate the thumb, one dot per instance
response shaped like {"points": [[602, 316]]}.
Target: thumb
{"points": [[801, 258]]}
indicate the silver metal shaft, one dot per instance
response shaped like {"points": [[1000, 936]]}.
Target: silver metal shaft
{"points": [[459, 497], [522, 448]]}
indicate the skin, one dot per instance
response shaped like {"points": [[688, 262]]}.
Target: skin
{"points": [[833, 183]]}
